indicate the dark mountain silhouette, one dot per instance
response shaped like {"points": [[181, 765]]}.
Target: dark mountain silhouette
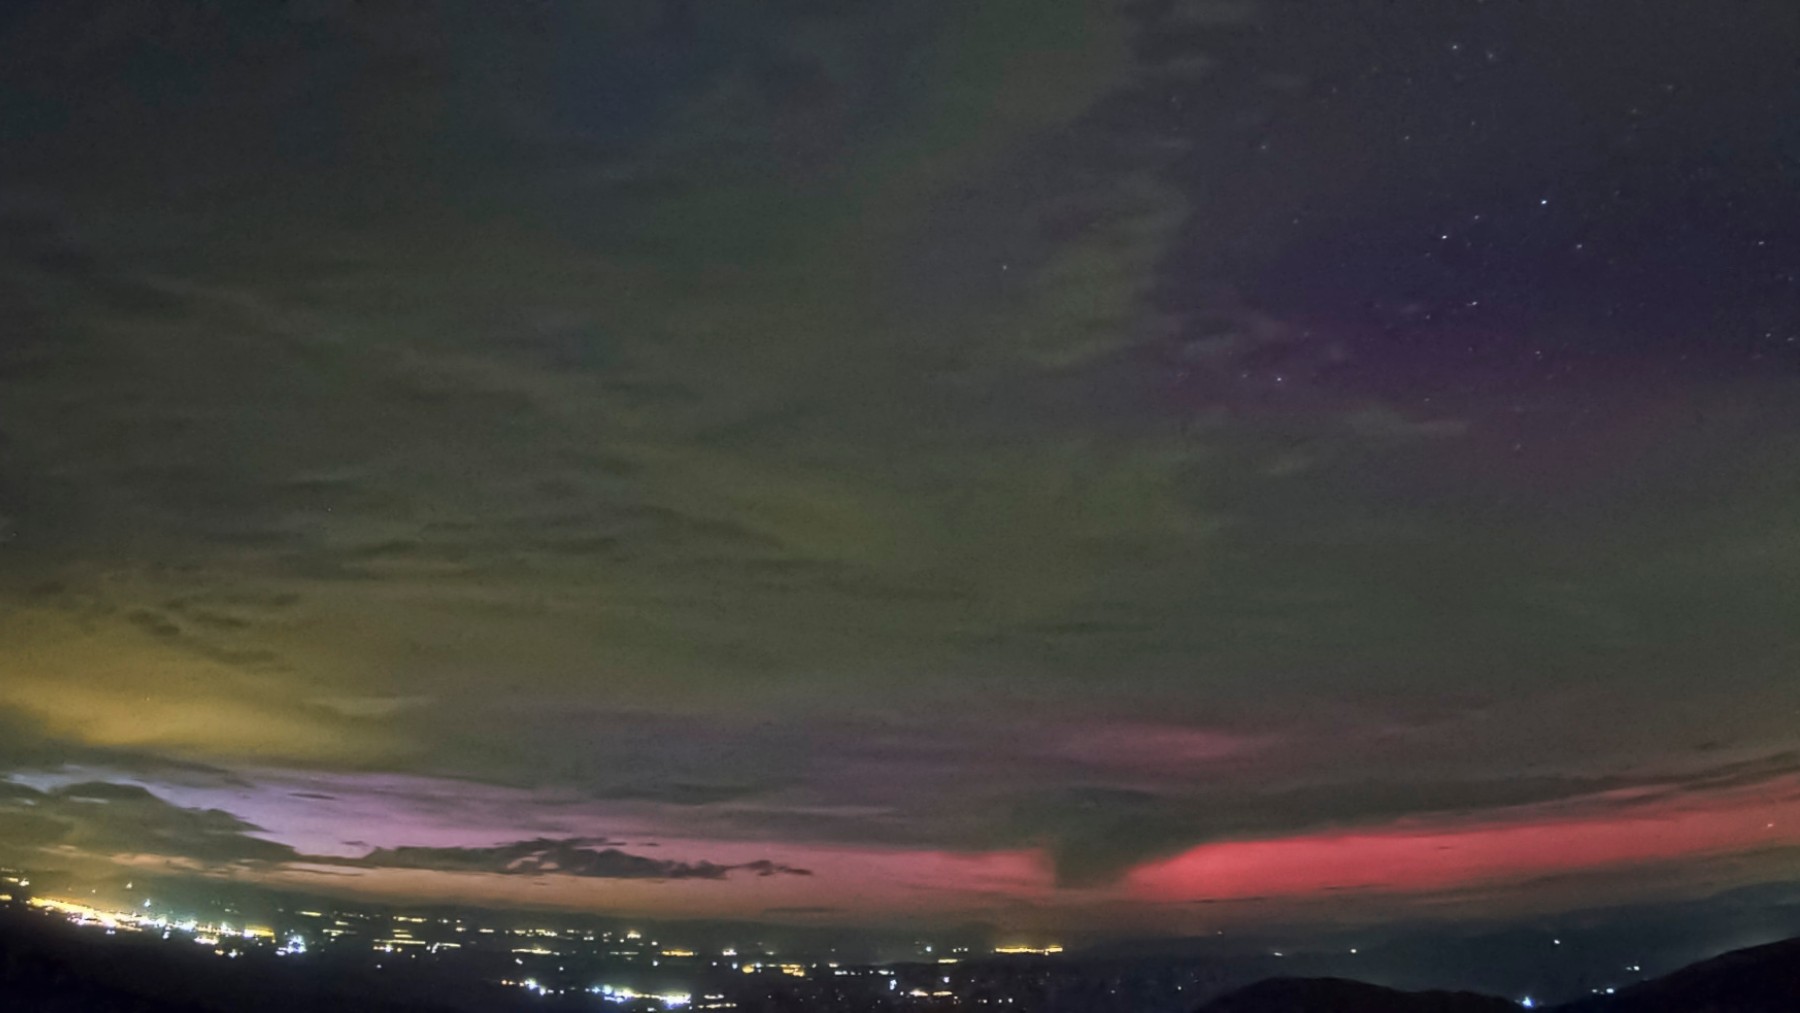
{"points": [[1762, 979], [1338, 995]]}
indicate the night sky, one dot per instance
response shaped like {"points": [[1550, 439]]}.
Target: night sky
{"points": [[1074, 466]]}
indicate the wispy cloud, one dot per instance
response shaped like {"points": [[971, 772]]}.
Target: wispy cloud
{"points": [[575, 857]]}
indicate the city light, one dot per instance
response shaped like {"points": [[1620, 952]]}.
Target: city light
{"points": [[669, 1000], [384, 940]]}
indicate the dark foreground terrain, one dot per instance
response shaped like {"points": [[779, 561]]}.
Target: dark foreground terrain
{"points": [[48, 966], [1762, 979]]}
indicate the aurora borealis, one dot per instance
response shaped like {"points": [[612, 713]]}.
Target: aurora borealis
{"points": [[1064, 465]]}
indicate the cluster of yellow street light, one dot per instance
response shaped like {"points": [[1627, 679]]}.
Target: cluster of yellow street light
{"points": [[135, 921]]}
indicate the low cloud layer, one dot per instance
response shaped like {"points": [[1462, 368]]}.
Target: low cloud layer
{"points": [[81, 827], [566, 858], [93, 821]]}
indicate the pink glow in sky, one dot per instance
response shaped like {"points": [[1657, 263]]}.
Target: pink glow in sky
{"points": [[1418, 859], [1410, 859]]}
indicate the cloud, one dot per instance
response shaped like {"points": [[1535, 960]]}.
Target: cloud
{"points": [[1095, 835], [92, 822], [1152, 746], [95, 822], [572, 857], [804, 425]]}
